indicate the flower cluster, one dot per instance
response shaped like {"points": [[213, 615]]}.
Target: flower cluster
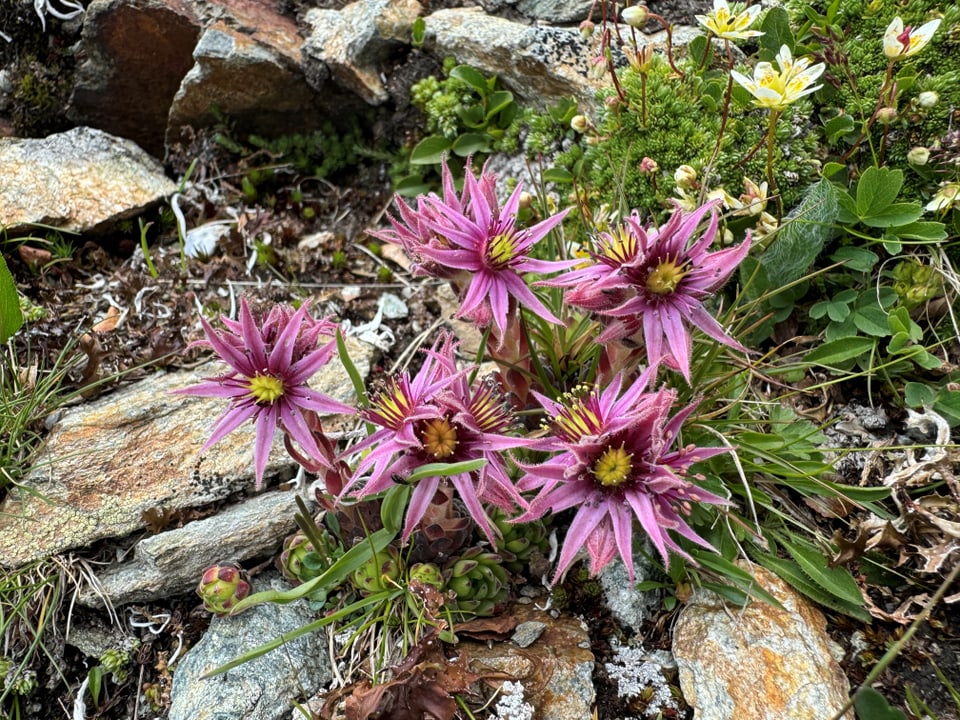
{"points": [[477, 245], [271, 364], [438, 416], [614, 462], [649, 284]]}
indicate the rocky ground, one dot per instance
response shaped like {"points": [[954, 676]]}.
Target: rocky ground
{"points": [[120, 318]]}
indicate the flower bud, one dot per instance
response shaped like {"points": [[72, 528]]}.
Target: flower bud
{"points": [[635, 16], [918, 155], [586, 29], [648, 166], [580, 123], [526, 200], [685, 177], [928, 99], [887, 115]]}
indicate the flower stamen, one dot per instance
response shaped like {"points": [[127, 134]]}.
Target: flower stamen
{"points": [[665, 277], [267, 389], [613, 468], [439, 438]]}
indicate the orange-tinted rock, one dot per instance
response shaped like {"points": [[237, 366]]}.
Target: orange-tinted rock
{"points": [[556, 669], [758, 662]]}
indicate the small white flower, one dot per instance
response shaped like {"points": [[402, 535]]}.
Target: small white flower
{"points": [[777, 89], [899, 43], [947, 196], [730, 23], [928, 99]]}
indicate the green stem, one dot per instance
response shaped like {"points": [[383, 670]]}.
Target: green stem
{"points": [[898, 646]]}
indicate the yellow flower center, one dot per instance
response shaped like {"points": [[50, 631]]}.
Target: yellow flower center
{"points": [[613, 467], [439, 438], [664, 279], [621, 246], [502, 249], [266, 388], [576, 420]]}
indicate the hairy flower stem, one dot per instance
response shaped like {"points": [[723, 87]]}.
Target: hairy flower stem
{"points": [[725, 115], [771, 179], [886, 98]]}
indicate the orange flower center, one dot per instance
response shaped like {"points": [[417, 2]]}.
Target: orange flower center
{"points": [[439, 438]]}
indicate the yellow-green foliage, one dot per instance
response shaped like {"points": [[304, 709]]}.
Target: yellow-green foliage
{"points": [[683, 118]]}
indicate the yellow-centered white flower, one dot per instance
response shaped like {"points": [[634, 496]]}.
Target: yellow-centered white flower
{"points": [[730, 23], [775, 89], [902, 43]]}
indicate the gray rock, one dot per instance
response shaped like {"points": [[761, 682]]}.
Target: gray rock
{"points": [[551, 12], [136, 53], [107, 462], [629, 606], [527, 633], [247, 66], [172, 562], [760, 662], [260, 689], [349, 45], [545, 63], [80, 180]]}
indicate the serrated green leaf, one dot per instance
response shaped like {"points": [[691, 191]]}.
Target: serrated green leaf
{"points": [[926, 231], [894, 215], [837, 351], [835, 580], [430, 150], [877, 189], [776, 31], [11, 317], [802, 236], [471, 76]]}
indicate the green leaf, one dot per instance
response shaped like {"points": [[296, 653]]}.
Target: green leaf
{"points": [[430, 150], [336, 574], [355, 378], [923, 230], [445, 469], [871, 705], [557, 175], [393, 506], [856, 258], [472, 77], [735, 575], [418, 32], [948, 405], [411, 186], [894, 215], [837, 351], [498, 101], [11, 318], [836, 128], [919, 394], [872, 320], [470, 143], [832, 168], [835, 580], [877, 189], [803, 236], [790, 572], [697, 48], [95, 683], [776, 31]]}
